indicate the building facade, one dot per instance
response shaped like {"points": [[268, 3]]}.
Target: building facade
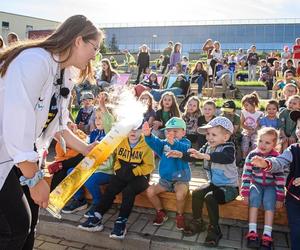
{"points": [[22, 25], [233, 34]]}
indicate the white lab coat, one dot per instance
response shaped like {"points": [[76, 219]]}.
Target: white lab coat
{"points": [[25, 94]]}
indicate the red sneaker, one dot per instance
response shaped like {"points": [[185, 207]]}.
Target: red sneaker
{"points": [[160, 218], [266, 242], [180, 225], [252, 240]]}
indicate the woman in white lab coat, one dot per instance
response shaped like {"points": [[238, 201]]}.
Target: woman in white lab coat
{"points": [[35, 80]]}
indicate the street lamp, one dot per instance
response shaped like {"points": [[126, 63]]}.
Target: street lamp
{"points": [[154, 36]]}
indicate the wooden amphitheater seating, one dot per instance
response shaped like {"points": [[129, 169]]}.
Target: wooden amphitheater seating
{"points": [[233, 210]]}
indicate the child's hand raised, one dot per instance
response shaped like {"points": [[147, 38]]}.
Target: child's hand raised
{"points": [[260, 162], [296, 182], [146, 129], [196, 154], [170, 137], [174, 154]]}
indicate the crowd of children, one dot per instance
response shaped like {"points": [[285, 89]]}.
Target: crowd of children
{"points": [[220, 142]]}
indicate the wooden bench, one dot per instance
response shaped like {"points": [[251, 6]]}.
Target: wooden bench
{"points": [[236, 209]]}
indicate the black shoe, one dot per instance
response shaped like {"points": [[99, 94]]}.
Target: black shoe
{"points": [[193, 227], [231, 87], [252, 240], [213, 237]]}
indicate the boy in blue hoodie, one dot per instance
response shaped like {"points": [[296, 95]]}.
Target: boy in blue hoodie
{"points": [[219, 162], [175, 174]]}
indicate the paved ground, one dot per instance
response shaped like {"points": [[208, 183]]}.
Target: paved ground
{"points": [[141, 233], [45, 242]]}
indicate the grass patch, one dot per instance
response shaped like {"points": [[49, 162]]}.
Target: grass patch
{"points": [[220, 101], [250, 84]]}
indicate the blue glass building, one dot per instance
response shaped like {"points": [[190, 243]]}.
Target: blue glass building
{"points": [[233, 34]]}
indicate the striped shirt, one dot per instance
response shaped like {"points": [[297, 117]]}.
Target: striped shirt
{"points": [[252, 174]]}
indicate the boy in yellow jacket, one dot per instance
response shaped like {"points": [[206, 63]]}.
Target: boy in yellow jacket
{"points": [[133, 165]]}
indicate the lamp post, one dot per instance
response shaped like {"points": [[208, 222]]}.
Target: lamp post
{"points": [[154, 36]]}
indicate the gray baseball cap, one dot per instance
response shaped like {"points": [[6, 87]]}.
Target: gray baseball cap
{"points": [[218, 121]]}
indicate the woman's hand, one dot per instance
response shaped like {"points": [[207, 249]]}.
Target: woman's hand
{"points": [[40, 193], [90, 147]]}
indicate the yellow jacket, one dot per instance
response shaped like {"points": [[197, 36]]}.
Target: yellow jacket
{"points": [[138, 160]]}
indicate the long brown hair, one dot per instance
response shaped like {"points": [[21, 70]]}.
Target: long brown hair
{"points": [[59, 42], [110, 71], [174, 110], [195, 70]]}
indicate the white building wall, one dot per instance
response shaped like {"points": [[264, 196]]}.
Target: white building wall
{"points": [[21, 24]]}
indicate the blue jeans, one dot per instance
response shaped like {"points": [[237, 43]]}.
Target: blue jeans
{"points": [[93, 186], [200, 82], [265, 195], [157, 93], [293, 208]]}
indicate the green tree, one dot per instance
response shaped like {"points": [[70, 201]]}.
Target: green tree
{"points": [[113, 45]]}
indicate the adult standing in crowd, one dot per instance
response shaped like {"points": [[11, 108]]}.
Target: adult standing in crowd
{"points": [[35, 80], [167, 53], [252, 60], [296, 51], [143, 61], [217, 57], [175, 56]]}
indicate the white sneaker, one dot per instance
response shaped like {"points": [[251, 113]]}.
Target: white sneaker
{"points": [[200, 95]]}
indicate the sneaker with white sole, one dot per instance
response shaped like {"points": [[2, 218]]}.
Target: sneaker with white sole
{"points": [[92, 224], [74, 206], [119, 231]]}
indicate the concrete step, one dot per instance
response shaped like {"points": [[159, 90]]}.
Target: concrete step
{"points": [[143, 235]]}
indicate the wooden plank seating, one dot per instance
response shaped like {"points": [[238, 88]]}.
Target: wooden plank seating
{"points": [[233, 210]]}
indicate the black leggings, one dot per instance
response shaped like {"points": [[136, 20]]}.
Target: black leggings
{"points": [[129, 190], [212, 196], [18, 214], [141, 69]]}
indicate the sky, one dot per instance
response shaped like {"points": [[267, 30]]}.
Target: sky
{"points": [[139, 11]]}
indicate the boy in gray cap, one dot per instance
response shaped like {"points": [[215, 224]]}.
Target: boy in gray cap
{"points": [[219, 162], [85, 112]]}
